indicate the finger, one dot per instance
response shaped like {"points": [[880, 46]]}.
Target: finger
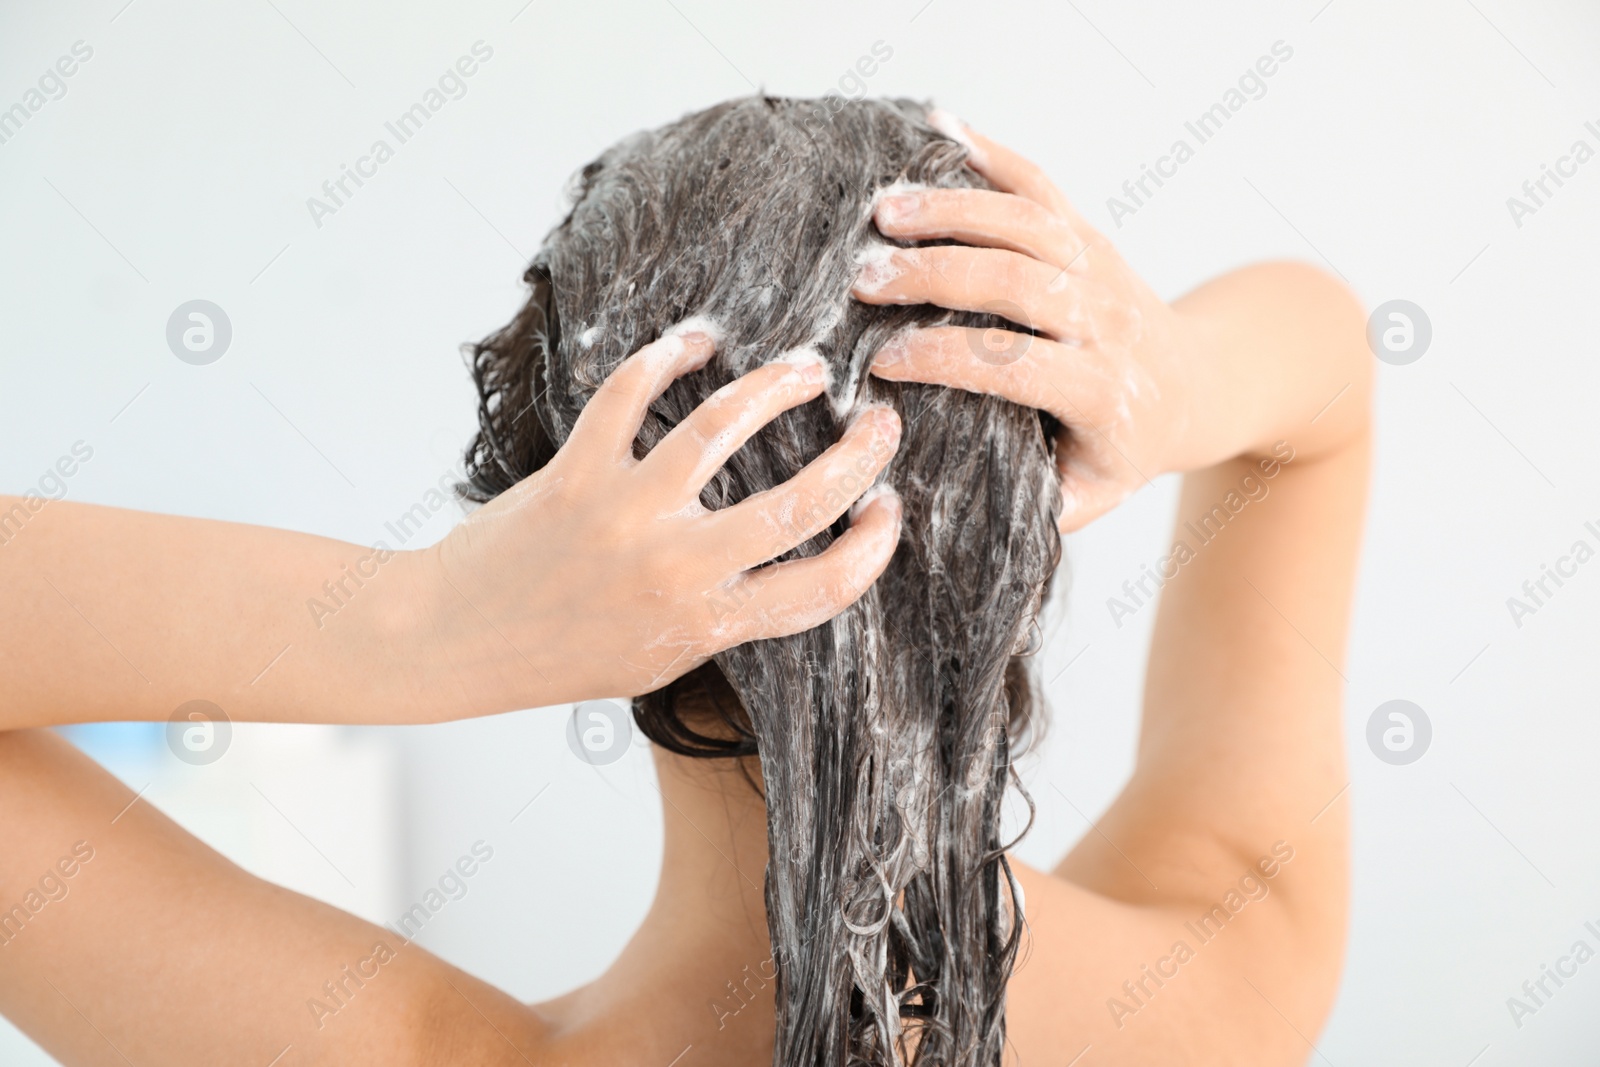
{"points": [[790, 597], [980, 217], [1084, 500], [1095, 474], [988, 280], [698, 446], [1018, 367], [767, 524], [1005, 169], [612, 418]]}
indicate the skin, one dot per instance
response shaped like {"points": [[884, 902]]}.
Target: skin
{"points": [[594, 577], [1240, 767]]}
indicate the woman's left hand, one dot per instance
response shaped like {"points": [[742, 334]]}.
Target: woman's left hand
{"points": [[1108, 360]]}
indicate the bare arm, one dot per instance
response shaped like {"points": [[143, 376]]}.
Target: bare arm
{"points": [[119, 614], [1241, 743], [125, 940], [1202, 921], [1224, 863], [593, 577]]}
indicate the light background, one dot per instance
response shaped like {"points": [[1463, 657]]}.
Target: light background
{"points": [[178, 164]]}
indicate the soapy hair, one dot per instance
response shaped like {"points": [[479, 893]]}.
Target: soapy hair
{"points": [[886, 737]]}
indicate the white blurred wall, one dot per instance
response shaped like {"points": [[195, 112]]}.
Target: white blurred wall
{"points": [[177, 166]]}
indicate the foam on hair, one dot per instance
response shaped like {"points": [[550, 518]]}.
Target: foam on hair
{"points": [[886, 736]]}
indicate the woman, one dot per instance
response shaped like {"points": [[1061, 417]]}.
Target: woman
{"points": [[1202, 920]]}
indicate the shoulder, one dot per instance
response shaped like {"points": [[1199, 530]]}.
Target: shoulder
{"points": [[453, 1018], [1226, 981]]}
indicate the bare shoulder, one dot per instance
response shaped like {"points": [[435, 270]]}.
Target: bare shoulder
{"points": [[1216, 980]]}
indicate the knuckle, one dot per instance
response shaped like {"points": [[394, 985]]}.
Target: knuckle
{"points": [[1059, 229], [631, 382], [620, 384], [916, 266], [720, 399], [1017, 275], [933, 206]]}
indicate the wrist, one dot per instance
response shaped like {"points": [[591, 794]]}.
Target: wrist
{"points": [[403, 660], [466, 662], [423, 640]]}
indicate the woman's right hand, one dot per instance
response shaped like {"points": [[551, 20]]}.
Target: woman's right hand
{"points": [[602, 575]]}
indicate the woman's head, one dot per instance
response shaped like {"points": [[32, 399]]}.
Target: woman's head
{"points": [[886, 735]]}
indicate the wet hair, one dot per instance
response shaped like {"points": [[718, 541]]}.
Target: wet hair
{"points": [[886, 737]]}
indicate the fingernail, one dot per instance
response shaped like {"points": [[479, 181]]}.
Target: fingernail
{"points": [[880, 491], [878, 267], [884, 421], [700, 334], [956, 130], [808, 363], [700, 350], [899, 207], [946, 122], [703, 326], [894, 351], [889, 424]]}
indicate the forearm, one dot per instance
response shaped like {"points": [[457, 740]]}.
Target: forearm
{"points": [[116, 614], [597, 575], [1241, 742], [1241, 739]]}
